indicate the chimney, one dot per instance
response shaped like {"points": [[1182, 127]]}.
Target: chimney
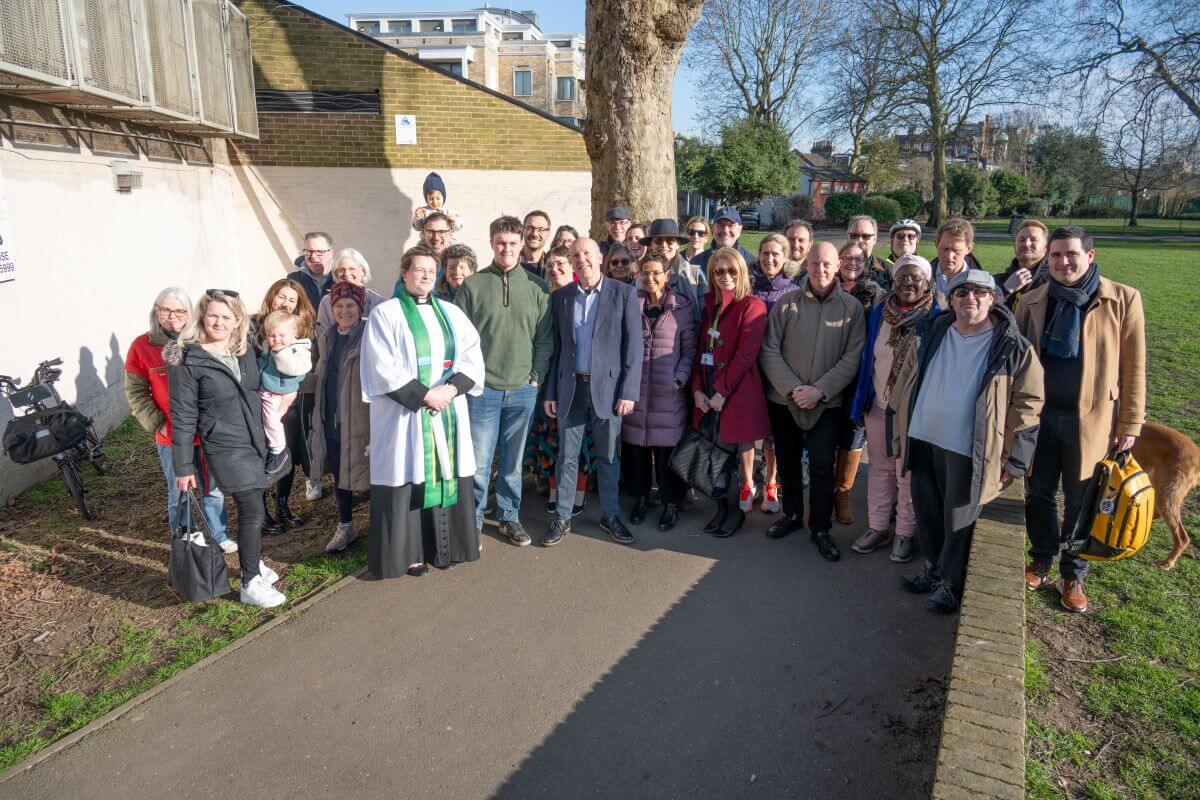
{"points": [[823, 148]]}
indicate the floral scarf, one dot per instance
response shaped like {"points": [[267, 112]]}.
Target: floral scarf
{"points": [[903, 332]]}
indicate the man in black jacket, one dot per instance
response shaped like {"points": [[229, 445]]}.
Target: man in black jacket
{"points": [[314, 267]]}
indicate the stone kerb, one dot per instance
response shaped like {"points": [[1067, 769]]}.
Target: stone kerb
{"points": [[982, 751]]}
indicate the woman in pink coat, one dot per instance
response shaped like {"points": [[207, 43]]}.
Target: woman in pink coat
{"points": [[726, 379]]}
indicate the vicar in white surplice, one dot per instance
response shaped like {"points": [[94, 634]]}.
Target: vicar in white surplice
{"points": [[420, 360]]}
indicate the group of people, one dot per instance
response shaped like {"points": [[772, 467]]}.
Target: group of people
{"points": [[573, 358]]}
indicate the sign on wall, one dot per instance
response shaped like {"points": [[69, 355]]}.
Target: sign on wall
{"points": [[8, 266], [406, 129]]}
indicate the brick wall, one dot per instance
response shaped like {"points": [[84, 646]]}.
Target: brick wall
{"points": [[458, 125]]}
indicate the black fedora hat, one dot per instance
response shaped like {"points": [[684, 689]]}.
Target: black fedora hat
{"points": [[663, 229]]}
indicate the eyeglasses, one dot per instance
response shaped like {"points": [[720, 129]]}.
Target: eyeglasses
{"points": [[172, 313], [697, 232], [910, 280], [963, 291], [853, 260], [212, 293], [621, 262], [656, 273], [316, 252], [437, 231], [907, 236], [423, 271], [535, 229], [719, 271], [856, 236]]}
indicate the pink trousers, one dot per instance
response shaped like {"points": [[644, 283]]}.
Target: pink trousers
{"points": [[274, 407], [885, 487]]}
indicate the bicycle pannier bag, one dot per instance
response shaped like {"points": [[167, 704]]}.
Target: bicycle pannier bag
{"points": [[1118, 506], [44, 434], [197, 569]]}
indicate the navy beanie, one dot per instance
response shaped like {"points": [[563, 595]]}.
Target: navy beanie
{"points": [[434, 181]]}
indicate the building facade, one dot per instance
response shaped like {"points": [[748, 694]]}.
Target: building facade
{"points": [[821, 176], [977, 141], [504, 50]]}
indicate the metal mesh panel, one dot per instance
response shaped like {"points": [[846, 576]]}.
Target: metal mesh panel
{"points": [[208, 23], [108, 53], [242, 67], [31, 37], [166, 29]]}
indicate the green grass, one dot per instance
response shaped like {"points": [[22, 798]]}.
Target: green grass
{"points": [[1108, 226]]}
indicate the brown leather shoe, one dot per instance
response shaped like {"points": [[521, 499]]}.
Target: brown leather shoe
{"points": [[1036, 574], [1073, 598]]}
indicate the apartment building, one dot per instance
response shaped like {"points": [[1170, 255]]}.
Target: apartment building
{"points": [[504, 50]]}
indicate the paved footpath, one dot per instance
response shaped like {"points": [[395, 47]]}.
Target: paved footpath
{"points": [[686, 667]]}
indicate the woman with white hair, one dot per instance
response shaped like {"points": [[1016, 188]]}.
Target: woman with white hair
{"points": [[893, 330], [349, 266], [147, 392], [214, 381]]}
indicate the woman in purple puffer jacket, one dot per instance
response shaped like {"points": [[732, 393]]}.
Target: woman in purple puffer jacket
{"points": [[769, 281], [656, 424]]}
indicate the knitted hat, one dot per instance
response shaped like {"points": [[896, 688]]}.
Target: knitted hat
{"points": [[346, 289], [433, 182], [922, 264]]}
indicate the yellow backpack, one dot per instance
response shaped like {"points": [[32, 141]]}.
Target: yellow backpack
{"points": [[1118, 507]]}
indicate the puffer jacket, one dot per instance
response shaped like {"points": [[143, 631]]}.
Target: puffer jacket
{"points": [[206, 399], [769, 290], [660, 414], [1008, 402]]}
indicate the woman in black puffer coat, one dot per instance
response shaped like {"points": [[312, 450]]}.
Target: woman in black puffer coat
{"points": [[214, 380]]}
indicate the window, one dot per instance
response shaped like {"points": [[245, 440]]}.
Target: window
{"points": [[823, 187], [453, 67], [463, 25], [926, 146], [511, 37], [369, 28], [399, 26], [522, 83], [565, 89], [432, 26]]}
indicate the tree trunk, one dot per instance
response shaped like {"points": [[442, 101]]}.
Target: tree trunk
{"points": [[632, 54], [939, 207]]}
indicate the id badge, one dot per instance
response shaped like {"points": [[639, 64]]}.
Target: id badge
{"points": [[714, 333], [706, 359]]}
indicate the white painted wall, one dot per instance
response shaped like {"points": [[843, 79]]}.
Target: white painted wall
{"points": [[371, 209], [91, 260]]}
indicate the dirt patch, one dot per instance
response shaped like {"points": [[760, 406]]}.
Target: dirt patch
{"points": [[86, 616]]}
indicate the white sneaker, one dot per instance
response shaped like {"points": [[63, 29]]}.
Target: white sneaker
{"points": [[342, 539], [262, 594], [228, 547], [746, 501], [267, 574], [313, 489]]}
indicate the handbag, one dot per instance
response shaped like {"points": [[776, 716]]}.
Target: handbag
{"points": [[197, 569], [1118, 507], [702, 461]]}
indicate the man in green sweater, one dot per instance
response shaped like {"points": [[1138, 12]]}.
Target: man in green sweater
{"points": [[510, 308]]}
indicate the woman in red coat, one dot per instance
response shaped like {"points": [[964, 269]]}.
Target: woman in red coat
{"points": [[726, 379]]}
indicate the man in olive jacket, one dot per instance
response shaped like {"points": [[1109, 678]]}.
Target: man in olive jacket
{"points": [[810, 354], [964, 419], [1090, 334]]}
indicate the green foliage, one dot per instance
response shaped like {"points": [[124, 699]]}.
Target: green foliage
{"points": [[839, 208], [1035, 207], [885, 210], [969, 191], [1011, 189], [1096, 211], [1067, 165], [910, 201], [879, 162], [690, 155], [753, 160]]}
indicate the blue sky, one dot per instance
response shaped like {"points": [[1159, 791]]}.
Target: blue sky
{"points": [[554, 17]]}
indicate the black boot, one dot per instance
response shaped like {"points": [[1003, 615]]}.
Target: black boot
{"points": [[733, 522], [785, 525], [670, 516], [718, 519], [284, 511], [639, 511], [269, 523]]}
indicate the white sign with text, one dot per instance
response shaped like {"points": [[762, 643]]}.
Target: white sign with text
{"points": [[8, 264], [406, 129]]}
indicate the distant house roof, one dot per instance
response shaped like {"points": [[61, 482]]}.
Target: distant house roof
{"points": [[821, 168]]}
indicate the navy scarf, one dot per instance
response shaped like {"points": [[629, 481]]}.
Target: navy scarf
{"points": [[1061, 339]]}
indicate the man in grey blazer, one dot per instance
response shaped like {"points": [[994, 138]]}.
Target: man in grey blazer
{"points": [[595, 376]]}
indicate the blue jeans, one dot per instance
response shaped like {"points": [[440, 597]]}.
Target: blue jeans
{"points": [[215, 515], [500, 421]]}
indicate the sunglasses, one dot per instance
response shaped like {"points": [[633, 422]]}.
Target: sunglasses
{"points": [[857, 236], [621, 262], [963, 291], [725, 271], [697, 232], [212, 293]]}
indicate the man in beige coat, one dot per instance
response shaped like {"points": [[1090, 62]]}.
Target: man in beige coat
{"points": [[1090, 335]]}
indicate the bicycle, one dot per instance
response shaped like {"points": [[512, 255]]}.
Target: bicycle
{"points": [[50, 427]]}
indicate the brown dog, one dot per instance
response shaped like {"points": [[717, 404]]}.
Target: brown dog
{"points": [[1172, 461]]}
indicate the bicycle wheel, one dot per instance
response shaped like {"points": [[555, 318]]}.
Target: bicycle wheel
{"points": [[70, 474], [93, 452]]}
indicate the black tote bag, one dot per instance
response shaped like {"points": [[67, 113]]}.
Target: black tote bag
{"points": [[196, 571], [702, 461]]}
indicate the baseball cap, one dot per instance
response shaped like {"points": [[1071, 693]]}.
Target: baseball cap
{"points": [[729, 213], [620, 212]]}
